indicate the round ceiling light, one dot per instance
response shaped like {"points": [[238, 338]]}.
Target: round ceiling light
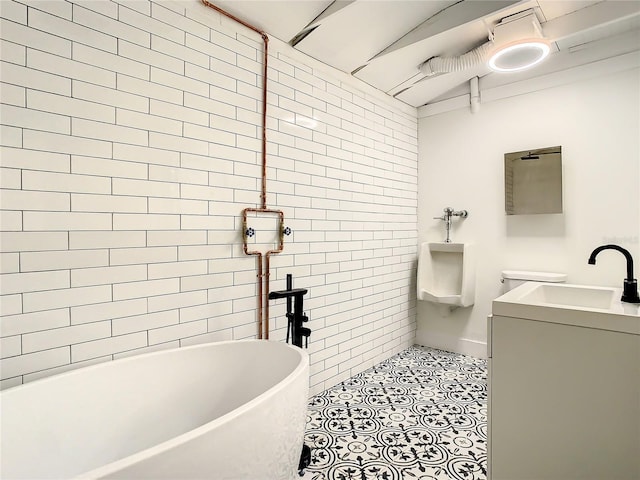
{"points": [[521, 55]]}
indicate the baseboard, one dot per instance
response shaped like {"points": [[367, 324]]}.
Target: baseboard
{"points": [[450, 343]]}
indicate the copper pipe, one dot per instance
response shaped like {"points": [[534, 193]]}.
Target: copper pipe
{"points": [[260, 295], [268, 273], [245, 248], [265, 40], [263, 312], [263, 319]]}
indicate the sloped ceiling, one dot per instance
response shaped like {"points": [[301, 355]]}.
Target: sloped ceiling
{"points": [[383, 42]]}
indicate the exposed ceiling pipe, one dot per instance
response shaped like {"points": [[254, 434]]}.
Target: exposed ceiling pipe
{"points": [[437, 65], [474, 97]]}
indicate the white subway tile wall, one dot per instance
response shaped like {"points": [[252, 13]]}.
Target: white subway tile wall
{"points": [[131, 142]]}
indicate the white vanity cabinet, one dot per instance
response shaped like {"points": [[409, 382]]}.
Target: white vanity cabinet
{"points": [[564, 399]]}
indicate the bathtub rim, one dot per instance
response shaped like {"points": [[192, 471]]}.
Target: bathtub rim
{"points": [[166, 445]]}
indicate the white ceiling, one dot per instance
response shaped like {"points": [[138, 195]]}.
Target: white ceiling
{"points": [[383, 42]]}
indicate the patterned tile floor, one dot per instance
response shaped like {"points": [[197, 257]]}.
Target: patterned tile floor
{"points": [[421, 415]]}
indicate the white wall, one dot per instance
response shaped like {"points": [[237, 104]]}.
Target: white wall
{"points": [[597, 124], [130, 145]]}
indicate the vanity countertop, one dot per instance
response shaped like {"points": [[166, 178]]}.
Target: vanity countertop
{"points": [[570, 304]]}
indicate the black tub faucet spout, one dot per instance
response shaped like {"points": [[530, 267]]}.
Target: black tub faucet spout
{"points": [[630, 290]]}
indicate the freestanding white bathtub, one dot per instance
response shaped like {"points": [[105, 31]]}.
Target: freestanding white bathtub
{"points": [[227, 410]]}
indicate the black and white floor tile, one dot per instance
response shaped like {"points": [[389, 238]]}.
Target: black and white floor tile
{"points": [[421, 415]]}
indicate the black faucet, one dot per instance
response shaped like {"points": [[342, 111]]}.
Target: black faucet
{"points": [[296, 317], [630, 290]]}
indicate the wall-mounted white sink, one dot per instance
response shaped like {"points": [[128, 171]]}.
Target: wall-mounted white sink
{"points": [[575, 296], [583, 305]]}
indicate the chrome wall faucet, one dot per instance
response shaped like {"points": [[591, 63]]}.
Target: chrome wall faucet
{"points": [[630, 289]]}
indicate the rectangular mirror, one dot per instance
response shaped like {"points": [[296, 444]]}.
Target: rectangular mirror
{"points": [[533, 181]]}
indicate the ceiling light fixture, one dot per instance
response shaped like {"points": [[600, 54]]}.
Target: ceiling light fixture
{"points": [[518, 43], [519, 55]]}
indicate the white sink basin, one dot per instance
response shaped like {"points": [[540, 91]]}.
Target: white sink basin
{"points": [[583, 305], [571, 296]]}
